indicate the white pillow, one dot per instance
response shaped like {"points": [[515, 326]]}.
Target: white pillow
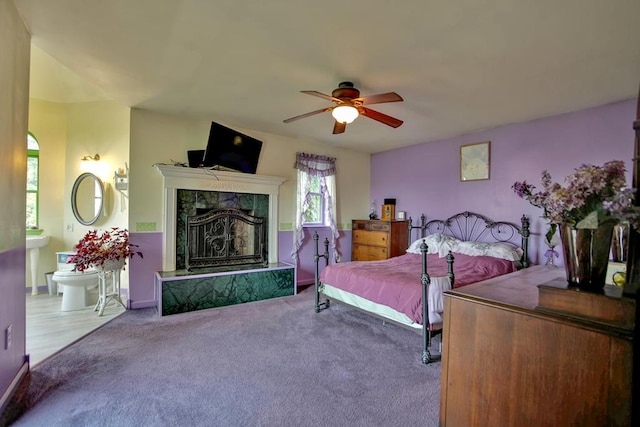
{"points": [[414, 247], [437, 243], [496, 250]]}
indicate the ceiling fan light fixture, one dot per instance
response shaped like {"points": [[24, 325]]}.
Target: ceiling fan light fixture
{"points": [[345, 113], [348, 105]]}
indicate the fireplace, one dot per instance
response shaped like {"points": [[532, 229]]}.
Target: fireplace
{"points": [[193, 191], [207, 223], [225, 237], [219, 217]]}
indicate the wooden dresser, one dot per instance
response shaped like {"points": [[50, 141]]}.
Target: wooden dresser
{"points": [[516, 353], [373, 240]]}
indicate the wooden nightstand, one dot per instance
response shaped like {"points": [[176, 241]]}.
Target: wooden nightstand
{"points": [[377, 240]]}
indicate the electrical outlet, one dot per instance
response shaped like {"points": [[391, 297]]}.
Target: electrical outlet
{"points": [[69, 227], [7, 337]]}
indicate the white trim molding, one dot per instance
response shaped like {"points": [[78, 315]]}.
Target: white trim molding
{"points": [[182, 178]]}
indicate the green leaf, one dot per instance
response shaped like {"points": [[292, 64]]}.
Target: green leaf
{"points": [[590, 221], [551, 232]]}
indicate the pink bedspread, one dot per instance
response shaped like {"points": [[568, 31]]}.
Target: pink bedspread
{"points": [[396, 282]]}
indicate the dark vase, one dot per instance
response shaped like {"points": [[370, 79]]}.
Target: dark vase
{"points": [[586, 255], [619, 248]]}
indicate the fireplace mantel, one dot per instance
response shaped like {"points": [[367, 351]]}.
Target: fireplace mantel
{"points": [[182, 178]]}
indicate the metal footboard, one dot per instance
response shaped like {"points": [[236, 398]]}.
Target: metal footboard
{"points": [[425, 280]]}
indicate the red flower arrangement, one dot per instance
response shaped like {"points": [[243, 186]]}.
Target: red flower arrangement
{"points": [[96, 249]]}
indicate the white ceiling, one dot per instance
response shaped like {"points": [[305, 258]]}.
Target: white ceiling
{"points": [[460, 65]]}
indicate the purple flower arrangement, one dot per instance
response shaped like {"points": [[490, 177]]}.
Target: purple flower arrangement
{"points": [[592, 195]]}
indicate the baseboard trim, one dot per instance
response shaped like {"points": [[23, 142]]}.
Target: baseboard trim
{"points": [[15, 384], [41, 289], [141, 304]]}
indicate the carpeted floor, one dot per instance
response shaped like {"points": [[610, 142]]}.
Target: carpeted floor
{"points": [[267, 363]]}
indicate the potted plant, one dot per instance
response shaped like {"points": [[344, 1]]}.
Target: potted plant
{"points": [[104, 251], [586, 210]]}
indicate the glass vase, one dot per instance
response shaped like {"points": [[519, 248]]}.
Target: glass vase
{"points": [[586, 255], [619, 247]]}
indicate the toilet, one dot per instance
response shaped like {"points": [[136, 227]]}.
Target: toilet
{"points": [[75, 288], [75, 285]]}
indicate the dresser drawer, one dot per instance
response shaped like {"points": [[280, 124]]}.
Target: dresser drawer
{"points": [[368, 253], [377, 238], [371, 226]]}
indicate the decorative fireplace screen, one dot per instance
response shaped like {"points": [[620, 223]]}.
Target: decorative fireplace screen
{"points": [[225, 237]]}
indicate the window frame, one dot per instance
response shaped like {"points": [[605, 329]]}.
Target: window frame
{"points": [[319, 194], [34, 154]]}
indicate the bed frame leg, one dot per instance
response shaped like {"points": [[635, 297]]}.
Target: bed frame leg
{"points": [[320, 305], [428, 358], [425, 280]]}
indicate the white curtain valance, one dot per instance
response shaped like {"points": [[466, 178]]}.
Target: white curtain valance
{"points": [[315, 165]]}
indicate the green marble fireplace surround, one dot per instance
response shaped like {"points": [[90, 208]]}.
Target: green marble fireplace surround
{"points": [[192, 191], [183, 291]]}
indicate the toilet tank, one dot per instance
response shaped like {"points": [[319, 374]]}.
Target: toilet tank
{"points": [[62, 261]]}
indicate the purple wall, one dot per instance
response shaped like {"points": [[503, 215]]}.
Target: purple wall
{"points": [[426, 178], [142, 270], [12, 312]]}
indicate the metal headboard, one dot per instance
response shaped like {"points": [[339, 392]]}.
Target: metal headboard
{"points": [[470, 226], [421, 227]]}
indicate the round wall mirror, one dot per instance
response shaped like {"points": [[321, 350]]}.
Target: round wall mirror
{"points": [[87, 198]]}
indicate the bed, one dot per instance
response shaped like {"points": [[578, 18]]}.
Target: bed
{"points": [[462, 249]]}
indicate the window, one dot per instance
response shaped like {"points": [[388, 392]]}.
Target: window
{"points": [[33, 197], [315, 198], [314, 215]]}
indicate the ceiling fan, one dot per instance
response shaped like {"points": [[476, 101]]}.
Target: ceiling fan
{"points": [[349, 105]]}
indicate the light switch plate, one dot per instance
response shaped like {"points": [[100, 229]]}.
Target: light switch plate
{"points": [[7, 337]]}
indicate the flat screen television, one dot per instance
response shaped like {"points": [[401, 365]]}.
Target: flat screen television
{"points": [[229, 149]]}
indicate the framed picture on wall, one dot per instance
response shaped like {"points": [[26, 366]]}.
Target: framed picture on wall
{"points": [[475, 161]]}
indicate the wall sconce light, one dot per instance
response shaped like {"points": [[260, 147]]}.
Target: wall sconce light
{"points": [[89, 158], [94, 165]]}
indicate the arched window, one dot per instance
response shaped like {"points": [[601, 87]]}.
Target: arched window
{"points": [[33, 160]]}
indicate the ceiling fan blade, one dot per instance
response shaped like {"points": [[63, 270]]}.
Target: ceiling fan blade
{"points": [[382, 118], [302, 116], [381, 97], [339, 127], [320, 95]]}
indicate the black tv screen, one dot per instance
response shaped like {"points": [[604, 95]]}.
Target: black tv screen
{"points": [[230, 149]]}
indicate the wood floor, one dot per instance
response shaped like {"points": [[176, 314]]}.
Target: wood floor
{"points": [[49, 329]]}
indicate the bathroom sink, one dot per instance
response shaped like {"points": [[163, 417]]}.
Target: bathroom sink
{"points": [[34, 243], [37, 241]]}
